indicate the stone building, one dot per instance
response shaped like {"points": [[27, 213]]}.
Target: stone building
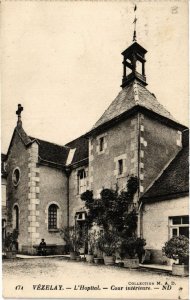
{"points": [[166, 203], [135, 136], [3, 196]]}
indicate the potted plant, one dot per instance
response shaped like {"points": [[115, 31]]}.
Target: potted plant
{"points": [[98, 260], [108, 242], [11, 244], [177, 248], [91, 239], [114, 213], [73, 239], [131, 250]]}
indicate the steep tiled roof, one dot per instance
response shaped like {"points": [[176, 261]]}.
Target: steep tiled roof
{"points": [[81, 146], [174, 179], [52, 152], [25, 138], [132, 95], [59, 154]]}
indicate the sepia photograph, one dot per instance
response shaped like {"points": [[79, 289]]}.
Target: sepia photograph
{"points": [[95, 149]]}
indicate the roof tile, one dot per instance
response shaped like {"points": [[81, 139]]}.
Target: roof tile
{"points": [[81, 146], [52, 152], [132, 95], [174, 179]]}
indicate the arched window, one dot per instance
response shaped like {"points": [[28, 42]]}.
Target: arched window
{"points": [[52, 216], [3, 229], [16, 217]]}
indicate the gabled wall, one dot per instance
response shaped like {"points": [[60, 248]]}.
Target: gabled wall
{"points": [[159, 144], [18, 157]]}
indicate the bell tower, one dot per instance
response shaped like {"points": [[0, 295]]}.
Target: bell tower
{"points": [[134, 64]]}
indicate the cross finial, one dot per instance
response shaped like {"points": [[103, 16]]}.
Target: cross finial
{"points": [[135, 23], [18, 112]]}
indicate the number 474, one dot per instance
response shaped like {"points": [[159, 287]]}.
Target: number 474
{"points": [[19, 287]]}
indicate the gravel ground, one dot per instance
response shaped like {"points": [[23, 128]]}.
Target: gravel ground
{"points": [[60, 278]]}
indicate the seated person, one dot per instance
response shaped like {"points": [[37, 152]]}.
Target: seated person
{"points": [[42, 247]]}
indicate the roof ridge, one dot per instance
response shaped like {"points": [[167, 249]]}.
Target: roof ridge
{"points": [[152, 94], [121, 92], [34, 138], [132, 95], [76, 139], [23, 135]]}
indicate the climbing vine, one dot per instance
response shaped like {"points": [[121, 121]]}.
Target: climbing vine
{"points": [[113, 209]]}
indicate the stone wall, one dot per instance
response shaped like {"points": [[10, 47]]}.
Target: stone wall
{"points": [[53, 190], [33, 197], [120, 142], [18, 157], [3, 197], [159, 144], [75, 202], [155, 223]]}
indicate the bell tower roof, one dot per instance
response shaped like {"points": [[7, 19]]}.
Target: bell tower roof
{"points": [[134, 64]]}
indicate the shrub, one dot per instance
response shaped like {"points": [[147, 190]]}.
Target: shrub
{"points": [[113, 208], [132, 247], [108, 242], [115, 213], [11, 240], [177, 248], [91, 238], [73, 237]]}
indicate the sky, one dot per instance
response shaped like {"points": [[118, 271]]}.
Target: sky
{"points": [[62, 61]]}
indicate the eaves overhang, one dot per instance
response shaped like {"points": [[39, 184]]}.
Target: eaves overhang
{"points": [[132, 112], [149, 200]]}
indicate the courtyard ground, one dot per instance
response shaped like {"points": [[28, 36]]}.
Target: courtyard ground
{"points": [[61, 278]]}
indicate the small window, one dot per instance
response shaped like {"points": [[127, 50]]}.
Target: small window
{"points": [[179, 225], [176, 220], [174, 232], [16, 176], [180, 220], [120, 166], [184, 231], [16, 217], [81, 181], [52, 216], [185, 220], [80, 216], [101, 144]]}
